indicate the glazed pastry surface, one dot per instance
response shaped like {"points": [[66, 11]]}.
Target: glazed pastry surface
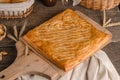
{"points": [[66, 39]]}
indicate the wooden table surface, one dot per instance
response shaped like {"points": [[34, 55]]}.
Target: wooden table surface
{"points": [[42, 13]]}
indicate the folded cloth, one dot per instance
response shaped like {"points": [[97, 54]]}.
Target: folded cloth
{"points": [[97, 67], [76, 2]]}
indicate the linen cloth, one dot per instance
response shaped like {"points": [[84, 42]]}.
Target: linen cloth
{"points": [[76, 2], [97, 67]]}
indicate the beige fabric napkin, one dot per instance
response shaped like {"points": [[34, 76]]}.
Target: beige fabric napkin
{"points": [[97, 67], [76, 2]]}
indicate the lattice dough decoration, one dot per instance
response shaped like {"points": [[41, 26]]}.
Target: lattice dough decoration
{"points": [[16, 10]]}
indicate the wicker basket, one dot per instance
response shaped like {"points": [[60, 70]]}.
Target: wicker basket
{"points": [[99, 4], [16, 10]]}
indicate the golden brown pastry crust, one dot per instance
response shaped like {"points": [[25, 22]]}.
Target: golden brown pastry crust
{"points": [[66, 39]]}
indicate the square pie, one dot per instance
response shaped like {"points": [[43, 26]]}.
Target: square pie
{"points": [[66, 39]]}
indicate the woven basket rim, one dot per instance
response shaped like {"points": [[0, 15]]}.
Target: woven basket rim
{"points": [[26, 4], [19, 16]]}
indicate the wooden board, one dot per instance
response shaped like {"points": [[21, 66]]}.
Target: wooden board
{"points": [[31, 63], [35, 63]]}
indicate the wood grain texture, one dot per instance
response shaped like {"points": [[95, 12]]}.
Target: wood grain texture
{"points": [[42, 13], [31, 63], [113, 52], [9, 58]]}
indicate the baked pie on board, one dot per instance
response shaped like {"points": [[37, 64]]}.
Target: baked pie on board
{"points": [[67, 39]]}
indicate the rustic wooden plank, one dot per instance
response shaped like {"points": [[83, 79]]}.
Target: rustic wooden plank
{"points": [[31, 63], [37, 63], [8, 59], [42, 13], [119, 6], [113, 51]]}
